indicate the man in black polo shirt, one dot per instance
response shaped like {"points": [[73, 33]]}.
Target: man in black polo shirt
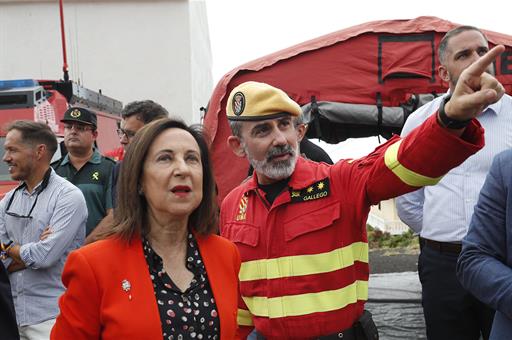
{"points": [[84, 166]]}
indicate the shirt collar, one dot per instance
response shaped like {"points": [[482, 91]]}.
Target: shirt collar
{"points": [[496, 107], [39, 187]]}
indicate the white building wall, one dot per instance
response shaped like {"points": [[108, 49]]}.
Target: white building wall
{"points": [[131, 50], [385, 217], [201, 58]]}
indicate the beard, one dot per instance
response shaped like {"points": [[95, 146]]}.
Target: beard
{"points": [[276, 170], [21, 171]]}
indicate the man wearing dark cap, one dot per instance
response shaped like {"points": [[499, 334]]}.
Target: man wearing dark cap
{"points": [[300, 226], [84, 166]]}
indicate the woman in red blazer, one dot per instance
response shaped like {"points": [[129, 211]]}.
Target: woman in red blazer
{"points": [[161, 272]]}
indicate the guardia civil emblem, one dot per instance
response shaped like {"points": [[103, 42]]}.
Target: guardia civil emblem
{"points": [[238, 103], [96, 175], [75, 113]]}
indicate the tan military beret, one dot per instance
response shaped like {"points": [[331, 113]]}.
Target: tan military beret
{"points": [[258, 101]]}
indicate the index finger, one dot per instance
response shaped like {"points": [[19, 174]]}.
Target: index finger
{"points": [[479, 66]]}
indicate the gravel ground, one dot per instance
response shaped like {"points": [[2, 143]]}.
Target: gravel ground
{"points": [[394, 260]]}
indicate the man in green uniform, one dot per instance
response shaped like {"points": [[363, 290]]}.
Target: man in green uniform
{"points": [[84, 166]]}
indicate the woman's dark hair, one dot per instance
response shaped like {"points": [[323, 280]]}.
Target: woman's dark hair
{"points": [[130, 215]]}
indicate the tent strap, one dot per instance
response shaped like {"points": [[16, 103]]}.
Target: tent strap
{"points": [[315, 117], [379, 115]]}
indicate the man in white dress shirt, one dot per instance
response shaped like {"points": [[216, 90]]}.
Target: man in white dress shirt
{"points": [[441, 214]]}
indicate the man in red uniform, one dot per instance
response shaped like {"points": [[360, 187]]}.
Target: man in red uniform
{"points": [[300, 225]]}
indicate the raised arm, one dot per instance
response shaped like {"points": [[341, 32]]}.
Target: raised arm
{"points": [[432, 149], [475, 89]]}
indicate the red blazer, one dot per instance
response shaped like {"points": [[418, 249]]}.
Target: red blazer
{"points": [[95, 306]]}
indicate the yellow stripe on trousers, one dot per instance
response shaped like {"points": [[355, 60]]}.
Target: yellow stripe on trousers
{"points": [[298, 265], [303, 304], [407, 176]]}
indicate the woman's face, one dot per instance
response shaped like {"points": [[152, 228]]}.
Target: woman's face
{"points": [[172, 178]]}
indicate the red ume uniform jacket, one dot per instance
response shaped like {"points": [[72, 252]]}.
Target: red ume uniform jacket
{"points": [[95, 305], [304, 269]]}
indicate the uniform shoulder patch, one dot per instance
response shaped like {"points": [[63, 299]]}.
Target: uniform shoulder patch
{"points": [[242, 208], [312, 192]]}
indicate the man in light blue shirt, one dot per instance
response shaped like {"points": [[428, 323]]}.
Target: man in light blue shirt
{"points": [[41, 221], [441, 214]]}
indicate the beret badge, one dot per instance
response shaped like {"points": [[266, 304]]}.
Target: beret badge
{"points": [[238, 103]]}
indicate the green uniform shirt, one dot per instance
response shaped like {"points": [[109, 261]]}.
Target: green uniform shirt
{"points": [[94, 180]]}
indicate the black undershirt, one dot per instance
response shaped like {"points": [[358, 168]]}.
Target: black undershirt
{"points": [[273, 190]]}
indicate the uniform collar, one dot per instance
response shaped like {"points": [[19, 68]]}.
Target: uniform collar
{"points": [[303, 176], [95, 159]]}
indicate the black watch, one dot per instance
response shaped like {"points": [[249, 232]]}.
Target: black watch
{"points": [[448, 122]]}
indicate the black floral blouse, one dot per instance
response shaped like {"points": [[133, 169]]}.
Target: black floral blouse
{"points": [[191, 314]]}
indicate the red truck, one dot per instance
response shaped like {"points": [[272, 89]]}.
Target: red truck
{"points": [[46, 101]]}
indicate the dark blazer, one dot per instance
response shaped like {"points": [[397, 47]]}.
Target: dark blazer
{"points": [[95, 306], [485, 264], [8, 327]]}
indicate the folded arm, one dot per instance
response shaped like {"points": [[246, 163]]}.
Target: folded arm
{"points": [[67, 221]]}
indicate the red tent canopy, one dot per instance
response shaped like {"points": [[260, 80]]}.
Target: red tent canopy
{"points": [[379, 62]]}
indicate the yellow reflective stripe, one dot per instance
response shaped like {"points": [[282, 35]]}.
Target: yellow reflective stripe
{"points": [[244, 317], [298, 265], [407, 176], [303, 304]]}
